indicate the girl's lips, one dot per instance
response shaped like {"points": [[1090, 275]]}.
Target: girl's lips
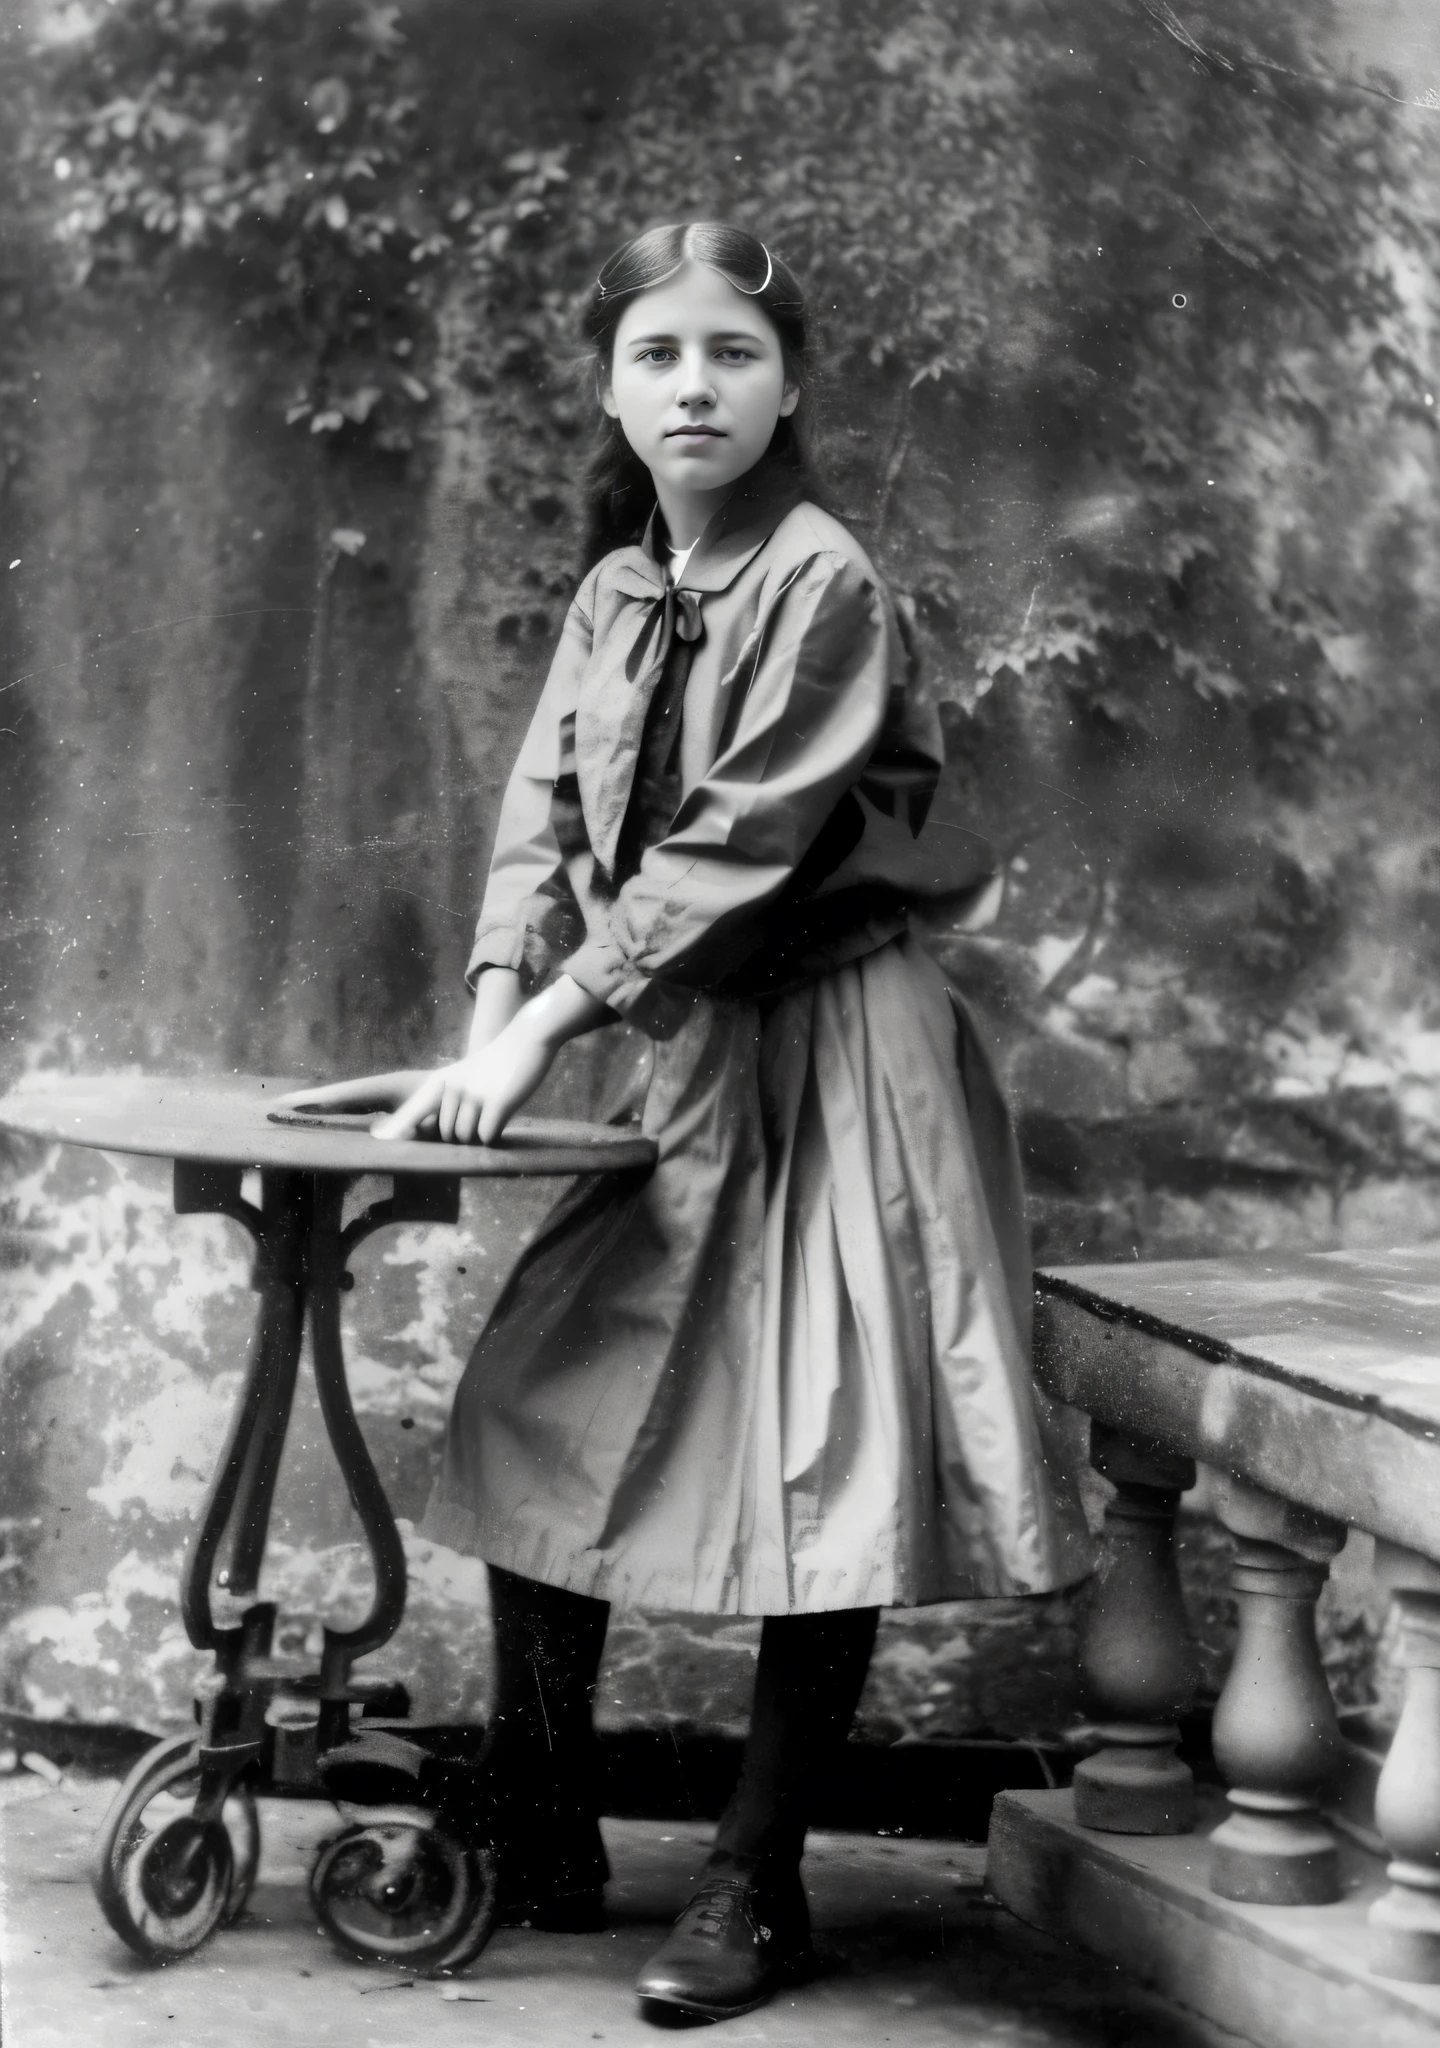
{"points": [[694, 434]]}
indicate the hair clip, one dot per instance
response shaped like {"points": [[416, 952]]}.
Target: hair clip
{"points": [[619, 291], [769, 273]]}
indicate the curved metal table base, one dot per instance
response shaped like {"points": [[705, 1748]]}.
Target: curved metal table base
{"points": [[167, 1877], [300, 1273]]}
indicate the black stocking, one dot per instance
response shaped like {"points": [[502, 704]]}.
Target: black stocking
{"points": [[538, 1772], [807, 1686]]}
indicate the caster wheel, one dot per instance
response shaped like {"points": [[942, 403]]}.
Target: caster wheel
{"points": [[164, 1879], [405, 1893]]}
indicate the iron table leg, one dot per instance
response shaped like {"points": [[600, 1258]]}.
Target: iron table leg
{"points": [[165, 1891]]}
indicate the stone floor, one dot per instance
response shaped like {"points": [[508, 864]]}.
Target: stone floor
{"points": [[915, 1955]]}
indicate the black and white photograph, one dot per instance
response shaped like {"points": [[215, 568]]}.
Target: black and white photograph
{"points": [[720, 1023]]}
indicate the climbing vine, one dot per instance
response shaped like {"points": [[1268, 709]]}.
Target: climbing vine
{"points": [[1184, 276], [1128, 318], [289, 146]]}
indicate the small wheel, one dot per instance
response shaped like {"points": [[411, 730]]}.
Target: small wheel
{"points": [[405, 1893], [164, 1879]]}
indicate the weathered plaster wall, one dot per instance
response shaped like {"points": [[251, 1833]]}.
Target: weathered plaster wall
{"points": [[246, 746], [248, 782]]}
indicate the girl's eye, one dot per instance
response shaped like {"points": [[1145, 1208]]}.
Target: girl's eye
{"points": [[660, 354]]}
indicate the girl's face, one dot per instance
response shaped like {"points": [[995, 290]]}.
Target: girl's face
{"points": [[697, 382]]}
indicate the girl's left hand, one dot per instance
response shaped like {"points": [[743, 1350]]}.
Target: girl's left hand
{"points": [[372, 1092], [477, 1096]]}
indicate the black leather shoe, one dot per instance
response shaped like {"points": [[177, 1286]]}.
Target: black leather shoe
{"points": [[736, 1943]]}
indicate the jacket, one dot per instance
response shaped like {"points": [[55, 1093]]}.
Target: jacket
{"points": [[807, 762]]}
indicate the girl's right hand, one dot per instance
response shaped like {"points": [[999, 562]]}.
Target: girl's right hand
{"points": [[473, 1099], [497, 999]]}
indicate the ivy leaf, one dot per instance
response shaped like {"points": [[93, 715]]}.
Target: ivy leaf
{"points": [[358, 405], [377, 27], [330, 104], [1210, 679]]}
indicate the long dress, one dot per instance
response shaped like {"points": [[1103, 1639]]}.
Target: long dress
{"points": [[788, 1371]]}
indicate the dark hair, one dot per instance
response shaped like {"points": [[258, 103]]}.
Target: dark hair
{"points": [[619, 493]]}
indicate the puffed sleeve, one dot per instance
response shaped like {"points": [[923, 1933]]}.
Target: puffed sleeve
{"points": [[529, 918], [811, 714]]}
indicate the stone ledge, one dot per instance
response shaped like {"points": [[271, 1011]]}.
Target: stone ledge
{"points": [[1364, 1451], [1284, 1977]]}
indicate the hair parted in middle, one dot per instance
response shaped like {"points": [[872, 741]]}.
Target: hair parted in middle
{"points": [[619, 493]]}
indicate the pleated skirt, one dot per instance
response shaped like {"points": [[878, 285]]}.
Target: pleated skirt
{"points": [[789, 1370]]}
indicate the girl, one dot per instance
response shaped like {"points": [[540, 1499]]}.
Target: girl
{"points": [[786, 1374]]}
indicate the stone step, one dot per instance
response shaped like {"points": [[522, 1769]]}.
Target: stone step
{"points": [[1284, 1977]]}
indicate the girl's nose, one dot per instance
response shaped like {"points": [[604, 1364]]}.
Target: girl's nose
{"points": [[696, 386]]}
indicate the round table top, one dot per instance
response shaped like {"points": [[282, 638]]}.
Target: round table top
{"points": [[226, 1120]]}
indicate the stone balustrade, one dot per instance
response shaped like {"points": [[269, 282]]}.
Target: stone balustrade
{"points": [[1309, 1385], [1405, 1923], [1137, 1660]]}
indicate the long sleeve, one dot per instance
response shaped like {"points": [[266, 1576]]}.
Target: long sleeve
{"points": [[812, 711], [529, 918]]}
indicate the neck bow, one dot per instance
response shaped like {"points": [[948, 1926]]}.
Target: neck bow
{"points": [[616, 691]]}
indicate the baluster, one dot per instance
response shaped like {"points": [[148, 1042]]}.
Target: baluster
{"points": [[1275, 1734], [1137, 1658], [1405, 1921]]}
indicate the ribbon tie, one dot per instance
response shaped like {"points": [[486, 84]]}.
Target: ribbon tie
{"points": [[616, 690], [688, 623]]}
